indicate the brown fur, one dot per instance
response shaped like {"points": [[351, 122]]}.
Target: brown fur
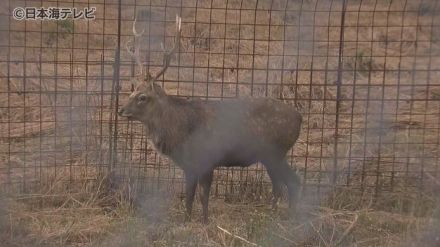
{"points": [[202, 135]]}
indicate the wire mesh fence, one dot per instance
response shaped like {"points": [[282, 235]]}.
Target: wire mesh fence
{"points": [[362, 73]]}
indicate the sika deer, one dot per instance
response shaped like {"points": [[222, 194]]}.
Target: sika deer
{"points": [[200, 135]]}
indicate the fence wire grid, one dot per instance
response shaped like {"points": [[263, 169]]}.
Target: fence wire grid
{"points": [[364, 74]]}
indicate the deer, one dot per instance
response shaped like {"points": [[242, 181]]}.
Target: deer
{"points": [[200, 135]]}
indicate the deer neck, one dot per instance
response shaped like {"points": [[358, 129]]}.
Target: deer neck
{"points": [[160, 125]]}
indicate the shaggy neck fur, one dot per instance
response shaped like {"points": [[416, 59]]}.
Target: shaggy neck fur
{"points": [[170, 122]]}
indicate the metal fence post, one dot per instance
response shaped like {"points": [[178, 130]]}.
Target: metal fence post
{"points": [[338, 92]]}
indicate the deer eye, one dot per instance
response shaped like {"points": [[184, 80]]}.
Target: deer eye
{"points": [[142, 97]]}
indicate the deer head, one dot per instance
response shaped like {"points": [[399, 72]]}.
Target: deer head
{"points": [[146, 94]]}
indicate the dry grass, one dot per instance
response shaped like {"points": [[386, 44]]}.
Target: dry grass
{"points": [[98, 215], [61, 214], [60, 209]]}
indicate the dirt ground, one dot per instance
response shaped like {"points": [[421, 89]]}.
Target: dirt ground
{"points": [[56, 113]]}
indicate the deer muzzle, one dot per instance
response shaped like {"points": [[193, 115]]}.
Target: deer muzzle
{"points": [[123, 113]]}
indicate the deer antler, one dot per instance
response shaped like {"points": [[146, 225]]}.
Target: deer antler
{"points": [[169, 54], [135, 52]]}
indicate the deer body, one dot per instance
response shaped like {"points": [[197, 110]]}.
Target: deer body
{"points": [[236, 132], [202, 135]]}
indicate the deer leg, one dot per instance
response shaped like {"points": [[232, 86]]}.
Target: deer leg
{"points": [[275, 177], [190, 189], [293, 182], [205, 182]]}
